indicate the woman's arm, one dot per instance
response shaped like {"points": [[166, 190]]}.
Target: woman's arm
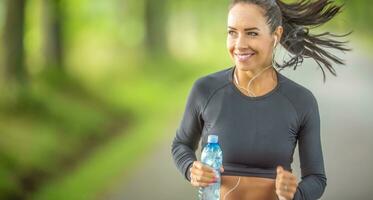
{"points": [[188, 134], [314, 179]]}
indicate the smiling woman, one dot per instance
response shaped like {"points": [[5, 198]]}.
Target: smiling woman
{"points": [[246, 29], [260, 125]]}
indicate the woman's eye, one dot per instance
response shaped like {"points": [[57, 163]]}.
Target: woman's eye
{"points": [[231, 32], [252, 33]]}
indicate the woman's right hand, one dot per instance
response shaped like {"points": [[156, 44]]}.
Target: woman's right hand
{"points": [[202, 175]]}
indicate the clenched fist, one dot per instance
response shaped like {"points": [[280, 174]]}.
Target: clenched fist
{"points": [[286, 184], [202, 175]]}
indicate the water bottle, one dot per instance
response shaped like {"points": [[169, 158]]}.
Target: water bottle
{"points": [[213, 157]]}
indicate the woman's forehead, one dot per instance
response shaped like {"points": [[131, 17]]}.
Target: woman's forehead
{"points": [[243, 15]]}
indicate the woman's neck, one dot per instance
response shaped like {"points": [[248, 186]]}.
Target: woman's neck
{"points": [[260, 78]]}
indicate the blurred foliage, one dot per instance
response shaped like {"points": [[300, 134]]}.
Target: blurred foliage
{"points": [[111, 82]]}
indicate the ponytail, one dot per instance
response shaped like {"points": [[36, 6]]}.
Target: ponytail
{"points": [[297, 19]]}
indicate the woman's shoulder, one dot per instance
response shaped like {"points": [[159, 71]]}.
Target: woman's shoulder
{"points": [[206, 86], [291, 87], [298, 94], [213, 81]]}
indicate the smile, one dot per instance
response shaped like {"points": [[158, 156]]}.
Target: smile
{"points": [[242, 57]]}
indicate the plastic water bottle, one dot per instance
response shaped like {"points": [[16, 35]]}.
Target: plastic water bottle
{"points": [[213, 157]]}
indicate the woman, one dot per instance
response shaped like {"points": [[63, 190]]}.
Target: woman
{"points": [[258, 113]]}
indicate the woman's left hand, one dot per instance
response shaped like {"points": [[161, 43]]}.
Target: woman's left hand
{"points": [[286, 184]]}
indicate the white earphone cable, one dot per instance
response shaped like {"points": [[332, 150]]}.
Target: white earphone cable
{"points": [[238, 182], [256, 75], [248, 85], [248, 90]]}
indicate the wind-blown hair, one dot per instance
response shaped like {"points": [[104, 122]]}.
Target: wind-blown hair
{"points": [[297, 19]]}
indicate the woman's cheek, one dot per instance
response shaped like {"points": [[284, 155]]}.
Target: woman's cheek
{"points": [[230, 46]]}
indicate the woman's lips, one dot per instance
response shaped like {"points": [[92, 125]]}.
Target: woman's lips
{"points": [[242, 57]]}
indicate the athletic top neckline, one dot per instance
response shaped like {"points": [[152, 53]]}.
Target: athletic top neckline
{"points": [[237, 90]]}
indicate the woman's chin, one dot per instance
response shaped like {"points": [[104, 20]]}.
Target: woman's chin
{"points": [[244, 66]]}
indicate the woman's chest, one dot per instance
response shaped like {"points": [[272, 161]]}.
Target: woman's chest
{"points": [[259, 133]]}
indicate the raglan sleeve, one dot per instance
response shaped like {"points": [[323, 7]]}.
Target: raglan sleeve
{"points": [[313, 178], [188, 134]]}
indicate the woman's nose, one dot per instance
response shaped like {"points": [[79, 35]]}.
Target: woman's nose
{"points": [[241, 43]]}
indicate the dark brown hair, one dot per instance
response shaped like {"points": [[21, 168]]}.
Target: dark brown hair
{"points": [[297, 19]]}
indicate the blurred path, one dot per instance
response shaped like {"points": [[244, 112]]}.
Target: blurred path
{"points": [[346, 110], [156, 179]]}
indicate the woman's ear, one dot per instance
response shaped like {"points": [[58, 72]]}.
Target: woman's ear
{"points": [[278, 33]]}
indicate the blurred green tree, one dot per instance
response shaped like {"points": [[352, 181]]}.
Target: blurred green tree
{"points": [[54, 40], [14, 41], [155, 26]]}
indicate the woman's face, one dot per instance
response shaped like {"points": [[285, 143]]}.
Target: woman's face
{"points": [[249, 41]]}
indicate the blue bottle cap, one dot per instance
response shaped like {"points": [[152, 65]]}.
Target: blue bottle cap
{"points": [[212, 139]]}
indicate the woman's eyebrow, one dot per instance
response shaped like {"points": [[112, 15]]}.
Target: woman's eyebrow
{"points": [[246, 29]]}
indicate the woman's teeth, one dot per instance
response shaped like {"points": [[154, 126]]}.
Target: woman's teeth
{"points": [[244, 57]]}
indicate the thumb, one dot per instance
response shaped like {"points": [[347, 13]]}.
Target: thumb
{"points": [[221, 169], [279, 169]]}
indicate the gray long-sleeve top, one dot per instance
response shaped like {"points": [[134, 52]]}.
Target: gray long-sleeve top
{"points": [[256, 134]]}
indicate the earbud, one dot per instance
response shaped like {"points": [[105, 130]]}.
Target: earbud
{"points": [[274, 44]]}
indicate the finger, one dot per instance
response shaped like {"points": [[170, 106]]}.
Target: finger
{"points": [[280, 169], [293, 177], [283, 193], [202, 176], [284, 174], [197, 173], [203, 171], [286, 189], [290, 183], [207, 180], [201, 182], [196, 183], [203, 167], [288, 176], [200, 172], [284, 178]]}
